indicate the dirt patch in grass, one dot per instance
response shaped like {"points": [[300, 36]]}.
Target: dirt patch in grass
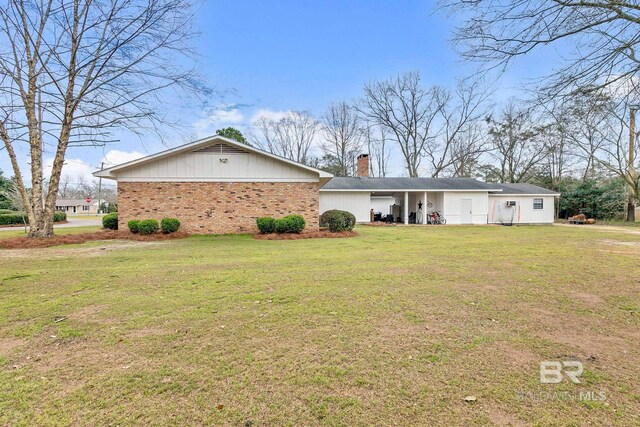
{"points": [[503, 418], [588, 298], [72, 239], [308, 235], [65, 251], [513, 354], [146, 332], [619, 247], [619, 243], [8, 344]]}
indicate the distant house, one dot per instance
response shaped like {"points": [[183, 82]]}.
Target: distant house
{"points": [[80, 206]]}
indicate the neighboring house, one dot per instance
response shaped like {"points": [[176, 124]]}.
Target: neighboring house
{"points": [[458, 200], [218, 185], [80, 206]]}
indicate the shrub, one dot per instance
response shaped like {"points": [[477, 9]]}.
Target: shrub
{"points": [[147, 226], [134, 226], [169, 225], [290, 224], [266, 225], [602, 199], [59, 216], [110, 221], [337, 220], [14, 218]]}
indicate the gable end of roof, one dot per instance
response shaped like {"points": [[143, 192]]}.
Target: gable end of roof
{"points": [[225, 145]]}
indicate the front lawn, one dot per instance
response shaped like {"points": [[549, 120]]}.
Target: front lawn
{"points": [[395, 327]]}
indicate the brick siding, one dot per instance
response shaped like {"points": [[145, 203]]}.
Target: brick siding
{"points": [[218, 207]]}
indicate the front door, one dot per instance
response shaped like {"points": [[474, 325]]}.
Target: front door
{"points": [[465, 211]]}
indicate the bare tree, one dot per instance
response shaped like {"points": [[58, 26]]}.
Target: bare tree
{"points": [[604, 34], [71, 71], [578, 119], [291, 137], [516, 146], [617, 151], [407, 111], [556, 139], [343, 137], [458, 141], [375, 138], [66, 189], [467, 149]]}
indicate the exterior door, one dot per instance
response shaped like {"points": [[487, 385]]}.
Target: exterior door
{"points": [[465, 211]]}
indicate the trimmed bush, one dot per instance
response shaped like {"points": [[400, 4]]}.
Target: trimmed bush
{"points": [[290, 224], [266, 225], [12, 219], [134, 226], [337, 220], [16, 217], [110, 221], [59, 216], [169, 225], [147, 226]]}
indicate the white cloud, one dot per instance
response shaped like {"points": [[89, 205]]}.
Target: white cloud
{"points": [[269, 114], [76, 170], [233, 116], [219, 118], [117, 157]]}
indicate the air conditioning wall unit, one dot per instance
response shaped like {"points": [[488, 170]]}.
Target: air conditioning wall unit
{"points": [[511, 203]]}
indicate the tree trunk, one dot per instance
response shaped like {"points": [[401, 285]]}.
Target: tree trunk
{"points": [[633, 179], [631, 209]]}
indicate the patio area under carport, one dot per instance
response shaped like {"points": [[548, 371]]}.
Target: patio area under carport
{"points": [[407, 207]]}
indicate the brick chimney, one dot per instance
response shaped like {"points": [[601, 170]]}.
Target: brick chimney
{"points": [[363, 165]]}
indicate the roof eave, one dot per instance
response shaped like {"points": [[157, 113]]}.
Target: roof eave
{"points": [[528, 194], [386, 190]]}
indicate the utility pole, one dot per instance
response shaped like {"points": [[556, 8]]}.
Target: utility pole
{"points": [[100, 189], [632, 178]]}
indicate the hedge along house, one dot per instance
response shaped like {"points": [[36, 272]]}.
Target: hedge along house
{"points": [[459, 200], [216, 185]]}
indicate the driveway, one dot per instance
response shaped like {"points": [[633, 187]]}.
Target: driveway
{"points": [[604, 228], [73, 221]]}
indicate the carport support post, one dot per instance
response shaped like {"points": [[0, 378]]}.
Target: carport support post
{"points": [[405, 208], [424, 208]]}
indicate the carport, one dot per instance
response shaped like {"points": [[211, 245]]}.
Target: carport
{"points": [[459, 200]]}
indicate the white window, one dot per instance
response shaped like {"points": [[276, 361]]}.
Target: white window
{"points": [[538, 203], [86, 208]]}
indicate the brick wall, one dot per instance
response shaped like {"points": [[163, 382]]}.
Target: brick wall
{"points": [[217, 207]]}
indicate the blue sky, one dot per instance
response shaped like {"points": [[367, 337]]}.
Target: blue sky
{"points": [[273, 56]]}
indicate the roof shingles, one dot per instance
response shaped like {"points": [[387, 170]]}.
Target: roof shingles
{"points": [[398, 184], [429, 184]]}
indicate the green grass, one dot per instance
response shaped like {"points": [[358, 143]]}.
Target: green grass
{"points": [[395, 327]]}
